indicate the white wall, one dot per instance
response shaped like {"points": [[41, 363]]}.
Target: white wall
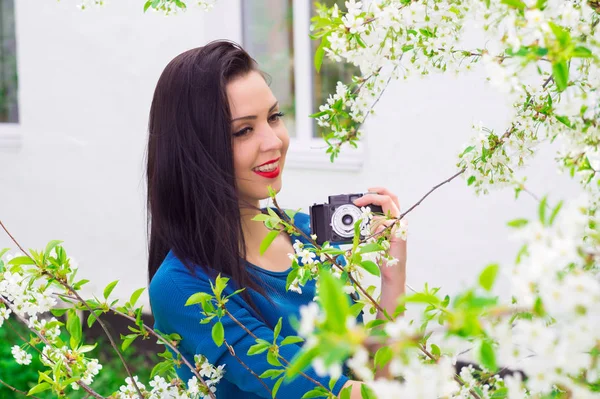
{"points": [[86, 82]]}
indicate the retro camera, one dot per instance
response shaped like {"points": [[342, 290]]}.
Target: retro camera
{"points": [[334, 221]]}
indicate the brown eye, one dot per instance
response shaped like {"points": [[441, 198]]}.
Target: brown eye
{"points": [[242, 132], [279, 115]]}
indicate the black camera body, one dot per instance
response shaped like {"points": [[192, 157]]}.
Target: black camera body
{"points": [[334, 221]]}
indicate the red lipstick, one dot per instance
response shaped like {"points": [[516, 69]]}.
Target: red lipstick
{"points": [[269, 175]]}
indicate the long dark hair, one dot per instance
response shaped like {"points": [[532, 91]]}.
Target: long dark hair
{"points": [[193, 206]]}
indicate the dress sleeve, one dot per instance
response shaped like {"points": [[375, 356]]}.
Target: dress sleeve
{"points": [[168, 307]]}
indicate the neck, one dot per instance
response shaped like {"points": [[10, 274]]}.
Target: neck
{"points": [[254, 231]]}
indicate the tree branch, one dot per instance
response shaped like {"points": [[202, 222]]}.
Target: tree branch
{"points": [[44, 340]]}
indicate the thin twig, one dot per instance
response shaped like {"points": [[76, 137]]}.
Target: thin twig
{"points": [[281, 357], [44, 340], [17, 390], [13, 239], [159, 337], [230, 348], [66, 285], [105, 328]]}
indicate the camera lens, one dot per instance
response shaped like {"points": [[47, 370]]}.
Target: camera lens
{"points": [[343, 219]]}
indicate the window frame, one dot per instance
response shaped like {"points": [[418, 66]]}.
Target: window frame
{"points": [[307, 151], [10, 132]]}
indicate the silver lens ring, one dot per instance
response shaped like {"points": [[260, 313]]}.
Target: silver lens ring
{"points": [[343, 219]]}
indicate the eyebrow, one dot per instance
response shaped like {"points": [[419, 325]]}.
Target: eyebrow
{"points": [[254, 116]]}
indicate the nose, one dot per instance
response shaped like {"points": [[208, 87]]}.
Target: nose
{"points": [[270, 140]]}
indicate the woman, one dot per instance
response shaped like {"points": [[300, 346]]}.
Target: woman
{"points": [[216, 142]]}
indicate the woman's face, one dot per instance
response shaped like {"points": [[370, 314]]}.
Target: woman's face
{"points": [[260, 138]]}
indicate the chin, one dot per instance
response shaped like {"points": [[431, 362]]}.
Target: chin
{"points": [[275, 185]]}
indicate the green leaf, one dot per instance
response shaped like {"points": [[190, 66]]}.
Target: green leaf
{"points": [[334, 302], [300, 361], [564, 120], [276, 386], [371, 267], [58, 312], [383, 356], [421, 297], [542, 210], [318, 60], [128, 341], [87, 348], [74, 328], [135, 296], [109, 288], [560, 72], [198, 297], [292, 339], [162, 368], [268, 240], [487, 355], [235, 292], [77, 286], [261, 217], [435, 350], [21, 260], [272, 373], [147, 5], [356, 238], [93, 316], [582, 52], [518, 4], [39, 388], [50, 247], [220, 285], [277, 329], [370, 247], [562, 35], [467, 150], [315, 393], [346, 392], [500, 393], [43, 376], [518, 223], [374, 323], [366, 392], [555, 213], [258, 348], [488, 276], [273, 359], [291, 277], [218, 334], [471, 180]]}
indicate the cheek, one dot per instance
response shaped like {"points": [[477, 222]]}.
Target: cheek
{"points": [[241, 159], [285, 139]]}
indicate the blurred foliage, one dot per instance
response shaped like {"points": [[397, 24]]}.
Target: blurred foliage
{"points": [[110, 378]]}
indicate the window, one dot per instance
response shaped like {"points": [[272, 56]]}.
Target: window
{"points": [[276, 34], [9, 111]]}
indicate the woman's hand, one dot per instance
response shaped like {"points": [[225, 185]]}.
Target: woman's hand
{"points": [[390, 205]]}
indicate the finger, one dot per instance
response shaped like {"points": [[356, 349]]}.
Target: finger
{"points": [[385, 191], [384, 201], [379, 223]]}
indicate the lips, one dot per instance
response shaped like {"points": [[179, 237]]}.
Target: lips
{"points": [[268, 175], [269, 170]]}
